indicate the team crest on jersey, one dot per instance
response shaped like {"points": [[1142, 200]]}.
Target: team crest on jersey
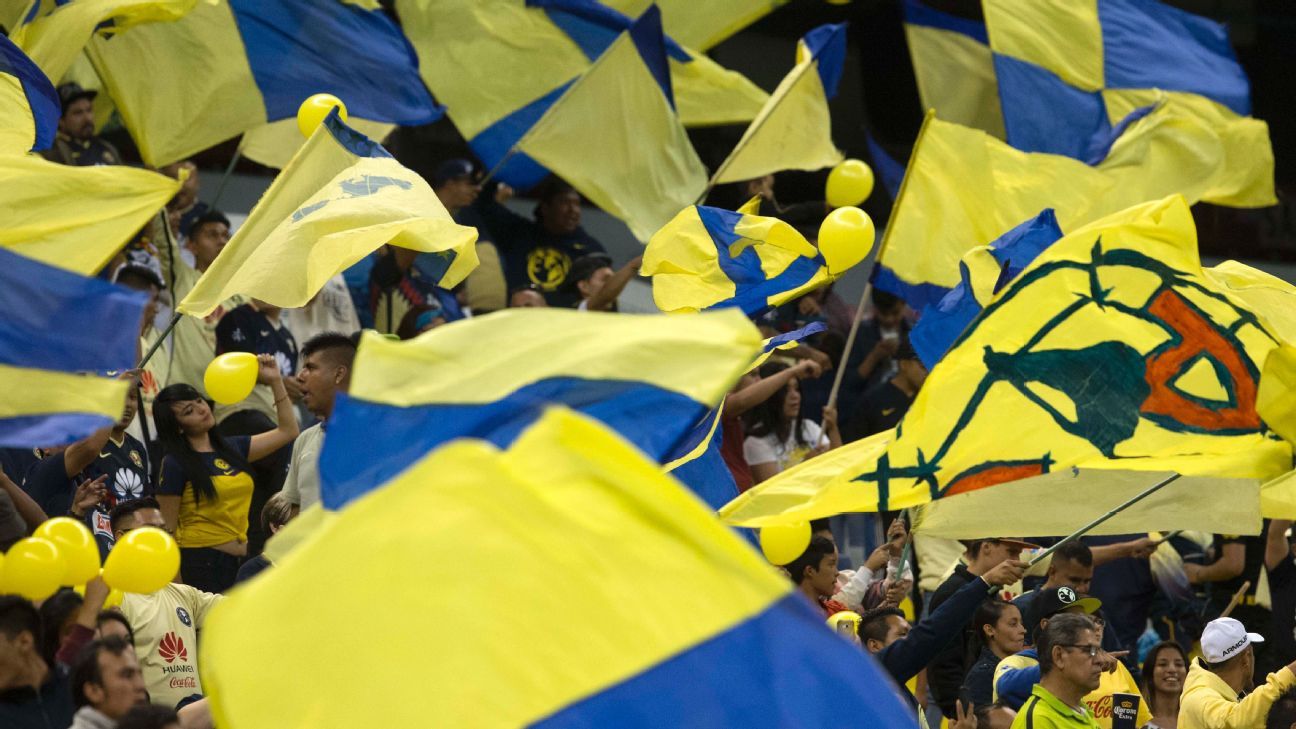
{"points": [[136, 459], [221, 464]]}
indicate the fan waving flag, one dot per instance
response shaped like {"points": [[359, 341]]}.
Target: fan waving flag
{"points": [[650, 378], [710, 257], [59, 331], [1113, 353], [336, 202], [794, 130], [76, 218], [614, 134], [29, 107], [652, 613], [498, 65], [235, 65]]}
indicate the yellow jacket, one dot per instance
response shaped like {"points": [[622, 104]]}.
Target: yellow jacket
{"points": [[1209, 703]]}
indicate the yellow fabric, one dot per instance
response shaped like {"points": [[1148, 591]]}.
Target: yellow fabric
{"points": [[1063, 36], [603, 544], [193, 341], [274, 144], [17, 126], [314, 518], [615, 117], [792, 132], [1209, 703], [220, 520], [1098, 701], [614, 347], [964, 188], [683, 260], [55, 38], [485, 287], [956, 78], [1278, 497], [76, 218], [702, 25], [328, 209], [1030, 364], [166, 643], [47, 392], [708, 94], [1276, 399], [166, 120]]}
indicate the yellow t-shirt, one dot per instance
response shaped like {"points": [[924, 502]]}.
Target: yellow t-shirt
{"points": [[208, 522], [166, 626]]}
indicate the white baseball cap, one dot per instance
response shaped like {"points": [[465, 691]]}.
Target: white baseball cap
{"points": [[1225, 638]]}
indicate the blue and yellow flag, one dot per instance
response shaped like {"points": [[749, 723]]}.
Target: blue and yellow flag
{"points": [[29, 107], [1070, 72], [340, 198], [60, 331], [710, 257], [964, 189], [498, 65], [650, 378], [985, 270], [703, 25], [1113, 359], [615, 136], [235, 65], [76, 218], [794, 129], [54, 32], [642, 610], [954, 67]]}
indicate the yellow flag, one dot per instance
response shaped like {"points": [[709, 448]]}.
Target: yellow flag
{"points": [[55, 39], [76, 218], [702, 25], [615, 137], [1112, 353], [336, 202], [275, 144], [794, 130]]}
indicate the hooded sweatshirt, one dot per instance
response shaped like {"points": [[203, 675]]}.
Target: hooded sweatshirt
{"points": [[1210, 703]]}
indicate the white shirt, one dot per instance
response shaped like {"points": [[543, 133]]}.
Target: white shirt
{"points": [[302, 485], [768, 449]]}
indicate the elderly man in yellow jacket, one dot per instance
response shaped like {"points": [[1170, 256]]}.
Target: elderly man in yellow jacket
{"points": [[1216, 680]]}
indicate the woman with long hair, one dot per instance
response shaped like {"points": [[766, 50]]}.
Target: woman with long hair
{"points": [[1164, 671], [205, 489], [1000, 633], [778, 437]]}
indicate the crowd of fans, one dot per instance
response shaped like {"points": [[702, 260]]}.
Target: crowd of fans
{"points": [[1139, 630]]}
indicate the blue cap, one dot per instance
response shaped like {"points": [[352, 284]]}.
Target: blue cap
{"points": [[451, 170]]}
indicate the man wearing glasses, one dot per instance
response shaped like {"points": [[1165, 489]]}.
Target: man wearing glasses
{"points": [[1070, 650]]}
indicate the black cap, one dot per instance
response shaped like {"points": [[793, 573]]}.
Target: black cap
{"points": [[211, 216], [585, 266], [452, 170], [140, 270], [72, 91], [1053, 601]]}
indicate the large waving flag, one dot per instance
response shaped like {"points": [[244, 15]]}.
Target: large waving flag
{"points": [[1069, 72], [614, 134], [650, 378], [498, 65], [794, 129], [76, 218], [1113, 353], [234, 65], [340, 198], [710, 258], [964, 189], [29, 106], [652, 613], [54, 32], [954, 67], [59, 332], [703, 25]]}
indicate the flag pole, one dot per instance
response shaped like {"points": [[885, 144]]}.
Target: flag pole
{"points": [[172, 251], [1093, 524], [229, 170], [850, 343]]}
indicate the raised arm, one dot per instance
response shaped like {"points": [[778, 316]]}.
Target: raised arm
{"points": [[264, 444]]}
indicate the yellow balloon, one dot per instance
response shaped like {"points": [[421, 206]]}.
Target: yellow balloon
{"points": [[143, 561], [231, 377], [845, 238], [313, 110], [849, 183], [76, 544], [113, 600], [782, 544], [33, 568]]}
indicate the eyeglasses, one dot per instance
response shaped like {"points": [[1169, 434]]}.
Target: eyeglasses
{"points": [[1092, 648]]}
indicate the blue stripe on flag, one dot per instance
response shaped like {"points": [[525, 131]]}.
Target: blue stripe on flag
{"points": [[795, 335], [1149, 44], [709, 476], [647, 416], [646, 33], [1043, 113], [827, 44], [351, 140], [59, 320], [493, 143], [594, 26], [27, 431], [918, 13], [887, 168], [41, 96], [297, 48], [806, 673], [752, 288], [917, 295]]}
